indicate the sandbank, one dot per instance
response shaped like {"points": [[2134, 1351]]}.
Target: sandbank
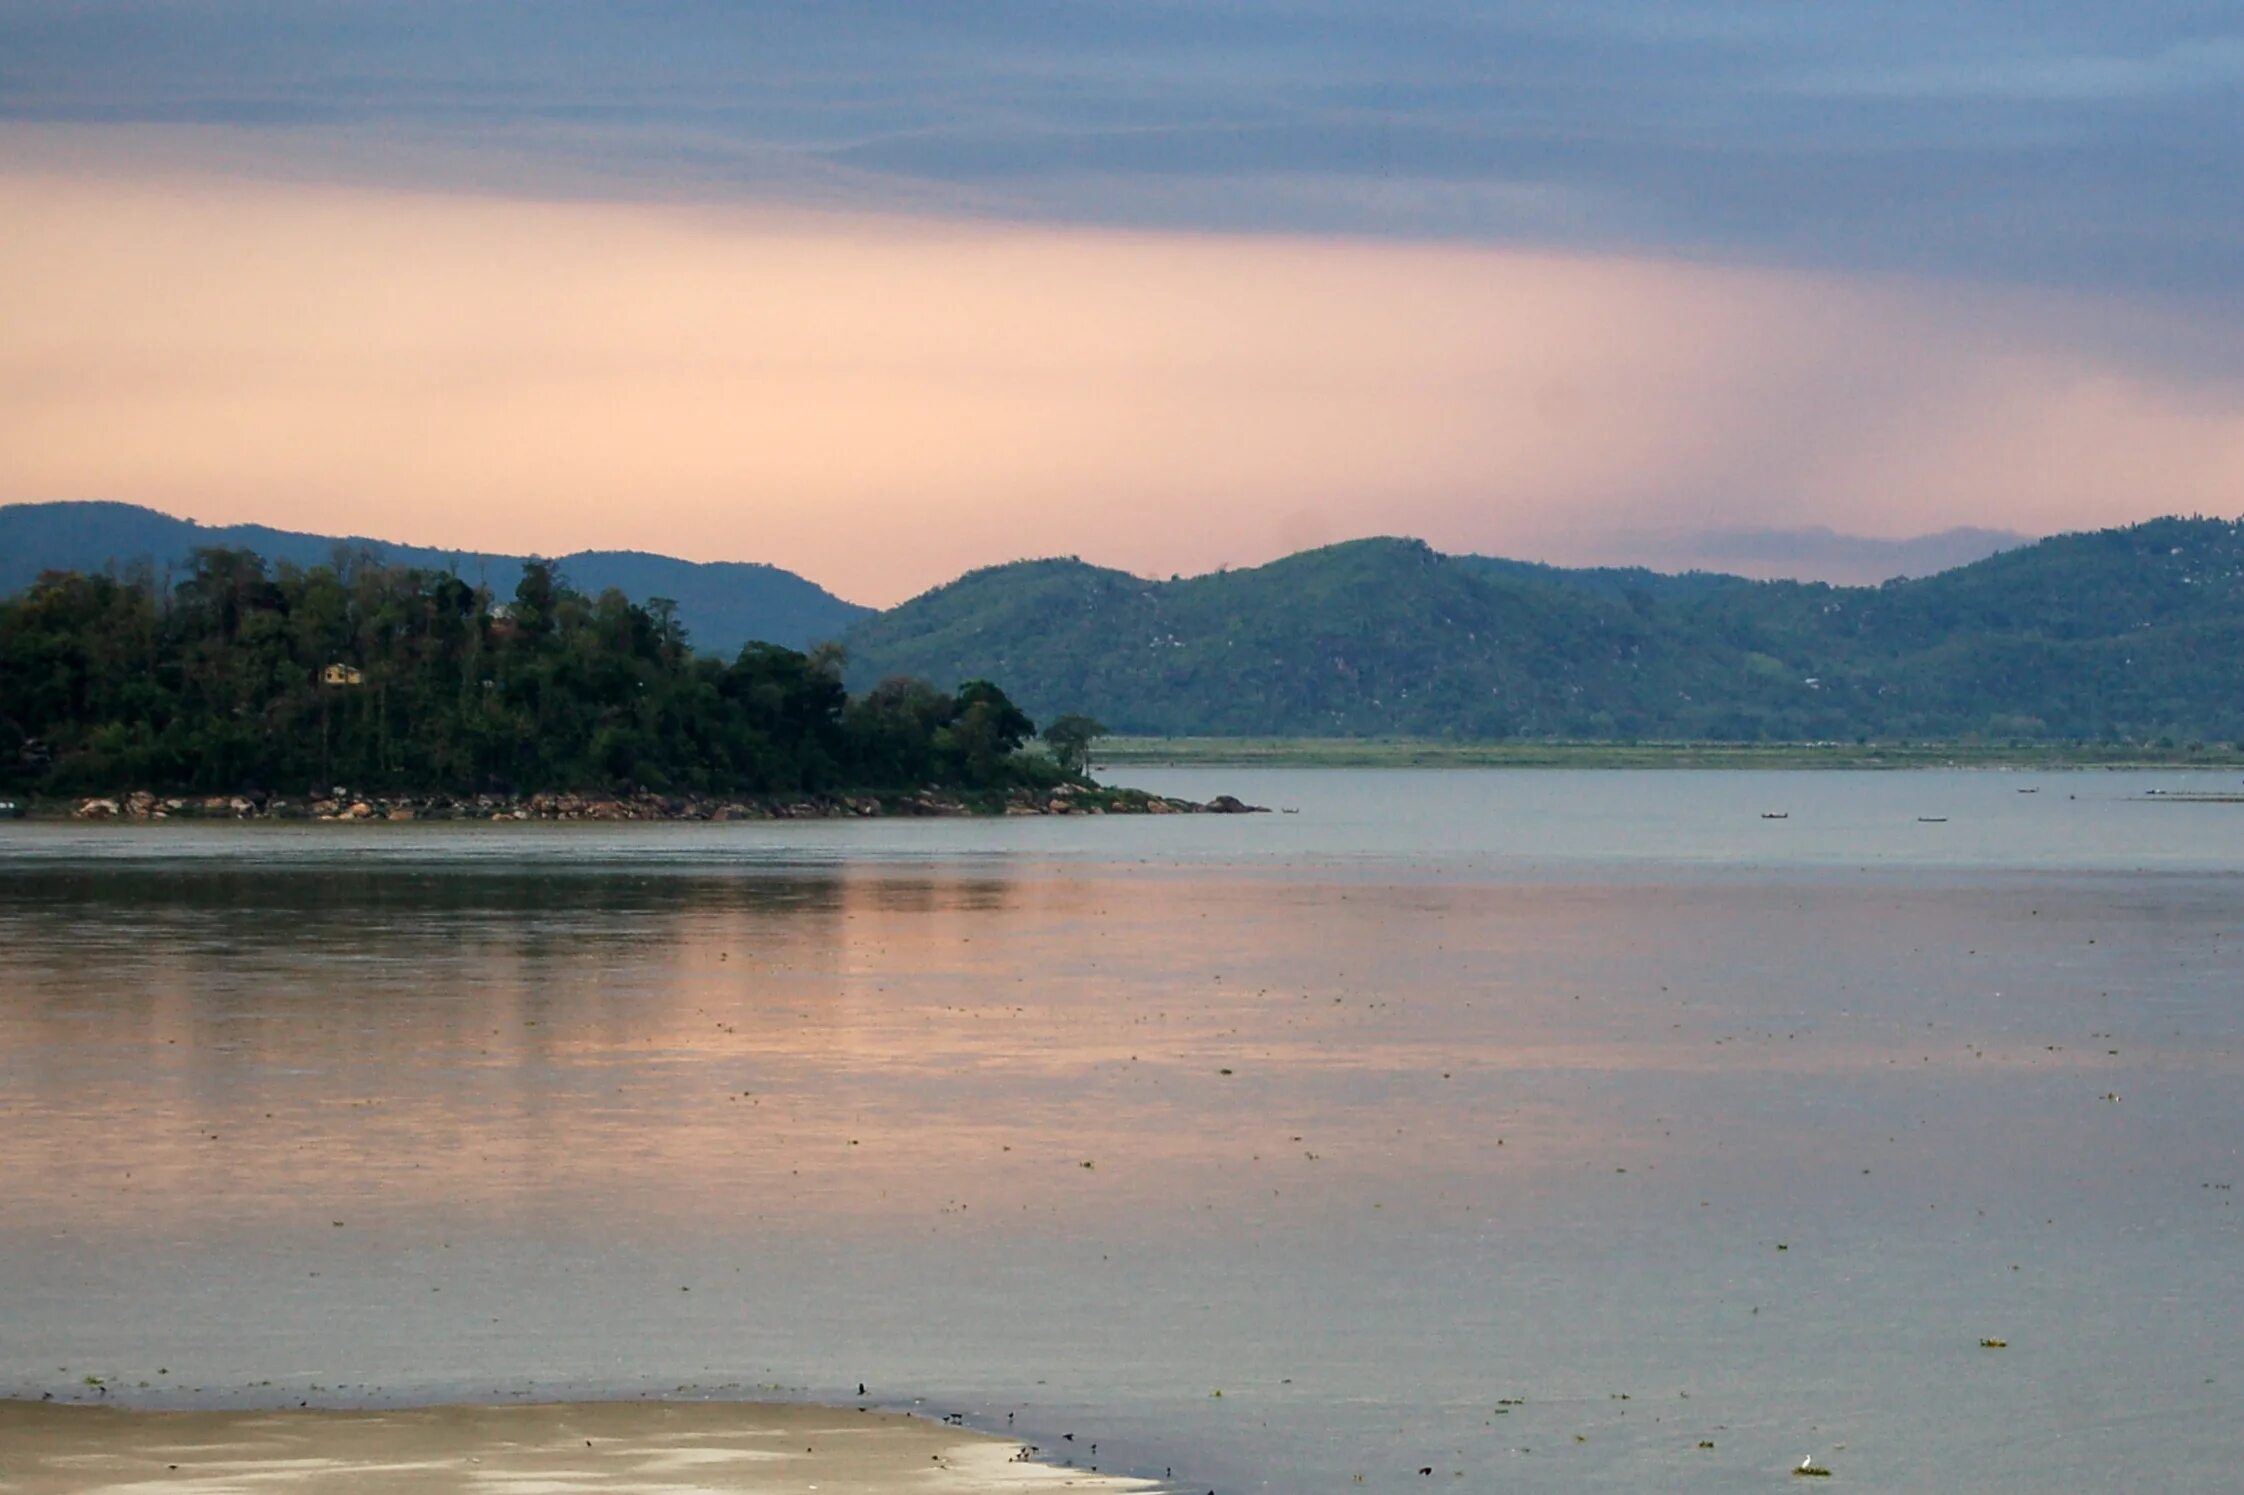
{"points": [[644, 1448]]}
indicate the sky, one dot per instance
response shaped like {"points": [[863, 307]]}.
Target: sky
{"points": [[882, 292]]}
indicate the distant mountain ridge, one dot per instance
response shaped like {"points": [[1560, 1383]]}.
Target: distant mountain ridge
{"points": [[2133, 633], [723, 604], [1818, 552]]}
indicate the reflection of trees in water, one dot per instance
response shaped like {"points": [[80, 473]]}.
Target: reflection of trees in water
{"points": [[410, 1030], [347, 912], [607, 954]]}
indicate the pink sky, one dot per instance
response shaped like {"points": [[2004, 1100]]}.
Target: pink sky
{"points": [[881, 402]]}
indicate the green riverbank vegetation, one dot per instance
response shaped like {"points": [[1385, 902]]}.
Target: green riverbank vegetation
{"points": [[1364, 752], [243, 676]]}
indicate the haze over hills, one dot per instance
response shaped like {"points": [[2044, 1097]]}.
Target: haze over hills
{"points": [[723, 604], [2133, 633], [1818, 552]]}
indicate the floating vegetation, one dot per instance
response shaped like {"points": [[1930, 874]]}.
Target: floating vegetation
{"points": [[1994, 1344], [1808, 1468]]}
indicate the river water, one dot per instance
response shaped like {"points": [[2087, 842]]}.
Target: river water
{"points": [[1531, 1128]]}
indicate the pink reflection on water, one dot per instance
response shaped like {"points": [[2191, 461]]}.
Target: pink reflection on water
{"points": [[908, 1050]]}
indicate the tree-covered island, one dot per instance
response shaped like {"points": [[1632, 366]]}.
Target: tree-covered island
{"points": [[358, 688]]}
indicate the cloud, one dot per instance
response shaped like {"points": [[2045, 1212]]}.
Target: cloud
{"points": [[2193, 67], [882, 401], [2074, 143]]}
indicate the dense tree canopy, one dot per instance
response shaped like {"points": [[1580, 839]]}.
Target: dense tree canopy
{"points": [[240, 676], [2131, 635]]}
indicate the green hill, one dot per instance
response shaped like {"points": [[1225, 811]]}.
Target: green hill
{"points": [[722, 604], [2133, 634], [2122, 634], [243, 676]]}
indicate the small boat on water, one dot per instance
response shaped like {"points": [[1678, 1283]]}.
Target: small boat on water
{"points": [[1776, 814], [1932, 820]]}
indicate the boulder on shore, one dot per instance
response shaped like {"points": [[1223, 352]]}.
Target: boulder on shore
{"points": [[933, 800]]}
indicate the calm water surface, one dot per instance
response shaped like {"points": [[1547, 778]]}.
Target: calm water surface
{"points": [[1528, 1127]]}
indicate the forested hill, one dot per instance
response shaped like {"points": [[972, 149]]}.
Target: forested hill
{"points": [[243, 676], [721, 604], [2133, 634]]}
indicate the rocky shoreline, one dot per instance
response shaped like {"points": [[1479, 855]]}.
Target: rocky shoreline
{"points": [[343, 805]]}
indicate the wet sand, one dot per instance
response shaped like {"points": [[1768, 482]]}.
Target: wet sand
{"points": [[644, 1448]]}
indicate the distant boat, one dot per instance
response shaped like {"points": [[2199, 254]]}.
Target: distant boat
{"points": [[1776, 814], [1932, 820], [2029, 791]]}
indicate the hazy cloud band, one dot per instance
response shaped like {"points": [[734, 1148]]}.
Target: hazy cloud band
{"points": [[882, 401]]}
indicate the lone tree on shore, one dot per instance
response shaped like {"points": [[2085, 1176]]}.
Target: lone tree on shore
{"points": [[1070, 739]]}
